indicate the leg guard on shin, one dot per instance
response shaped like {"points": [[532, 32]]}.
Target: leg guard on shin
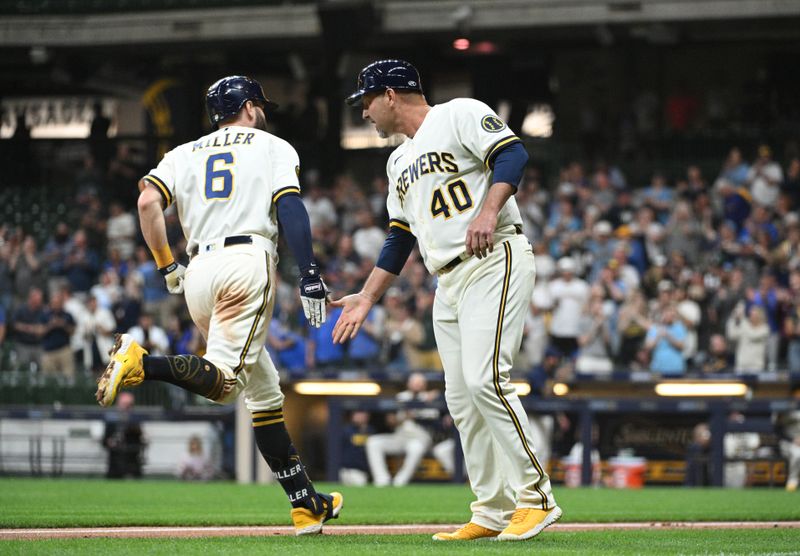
{"points": [[275, 446], [191, 373]]}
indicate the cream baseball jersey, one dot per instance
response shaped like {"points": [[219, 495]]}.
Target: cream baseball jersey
{"points": [[227, 183], [440, 178]]}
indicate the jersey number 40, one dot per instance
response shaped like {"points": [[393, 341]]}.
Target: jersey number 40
{"points": [[460, 199], [219, 177]]}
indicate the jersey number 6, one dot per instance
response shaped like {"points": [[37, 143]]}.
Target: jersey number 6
{"points": [[219, 178], [459, 195]]}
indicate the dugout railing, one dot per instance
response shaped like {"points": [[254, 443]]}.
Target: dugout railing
{"points": [[589, 402], [715, 412], [68, 440]]}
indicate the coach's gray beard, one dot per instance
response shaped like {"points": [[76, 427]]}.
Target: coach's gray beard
{"points": [[261, 121]]}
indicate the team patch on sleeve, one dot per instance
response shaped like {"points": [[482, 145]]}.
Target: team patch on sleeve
{"points": [[290, 190], [492, 123], [161, 187]]}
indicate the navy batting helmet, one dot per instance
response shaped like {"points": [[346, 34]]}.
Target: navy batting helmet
{"points": [[227, 96], [386, 74]]}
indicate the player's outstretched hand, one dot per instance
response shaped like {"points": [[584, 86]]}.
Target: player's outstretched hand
{"points": [[355, 309], [313, 294], [480, 235], [173, 276]]}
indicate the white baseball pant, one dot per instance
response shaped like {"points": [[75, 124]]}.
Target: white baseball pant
{"points": [[791, 451], [478, 318], [230, 293]]}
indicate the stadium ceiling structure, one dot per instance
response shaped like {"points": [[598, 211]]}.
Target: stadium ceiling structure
{"points": [[303, 20]]}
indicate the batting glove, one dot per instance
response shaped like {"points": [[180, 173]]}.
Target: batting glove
{"points": [[313, 294], [173, 275]]}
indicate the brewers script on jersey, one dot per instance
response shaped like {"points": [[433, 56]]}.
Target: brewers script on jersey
{"points": [[207, 177], [442, 174], [439, 180]]}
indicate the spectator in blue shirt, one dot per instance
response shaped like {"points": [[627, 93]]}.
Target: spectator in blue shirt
{"points": [[287, 348], [601, 246], [186, 338], [365, 348], [82, 264], [154, 292], [563, 221], [57, 358], [759, 220], [28, 325], [767, 297], [321, 352], [116, 263], [736, 203], [128, 307], [56, 250], [665, 341], [659, 196], [734, 169]]}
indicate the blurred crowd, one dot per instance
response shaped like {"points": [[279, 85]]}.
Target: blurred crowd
{"points": [[688, 273]]}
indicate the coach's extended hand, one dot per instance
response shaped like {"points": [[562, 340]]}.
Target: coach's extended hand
{"points": [[173, 276], [355, 309], [313, 294]]}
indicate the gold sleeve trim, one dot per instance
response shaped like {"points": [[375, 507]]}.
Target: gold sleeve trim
{"points": [[161, 186], [285, 191], [496, 147]]}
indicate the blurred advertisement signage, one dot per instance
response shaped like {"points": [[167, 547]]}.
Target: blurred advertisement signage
{"points": [[54, 117]]}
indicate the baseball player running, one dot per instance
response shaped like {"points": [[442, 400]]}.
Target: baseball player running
{"points": [[232, 188], [452, 182]]}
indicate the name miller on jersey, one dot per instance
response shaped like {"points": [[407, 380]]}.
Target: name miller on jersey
{"points": [[239, 139], [441, 163]]}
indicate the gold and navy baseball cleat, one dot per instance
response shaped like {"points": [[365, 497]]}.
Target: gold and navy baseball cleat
{"points": [[469, 532], [307, 522], [526, 523], [124, 369]]}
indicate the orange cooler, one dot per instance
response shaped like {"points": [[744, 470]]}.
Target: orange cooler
{"points": [[627, 472]]}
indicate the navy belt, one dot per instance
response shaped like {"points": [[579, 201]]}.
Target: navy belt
{"points": [[450, 266], [228, 241]]}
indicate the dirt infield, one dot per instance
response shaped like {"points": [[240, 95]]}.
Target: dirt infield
{"points": [[183, 532]]}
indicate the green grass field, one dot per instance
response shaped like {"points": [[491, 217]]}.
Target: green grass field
{"points": [[91, 503], [76, 503], [611, 543]]}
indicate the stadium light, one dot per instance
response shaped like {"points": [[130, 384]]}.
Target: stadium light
{"points": [[539, 121], [522, 388], [461, 44], [322, 388], [485, 47], [701, 389], [560, 389]]}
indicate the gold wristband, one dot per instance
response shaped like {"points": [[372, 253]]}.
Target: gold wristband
{"points": [[163, 256]]}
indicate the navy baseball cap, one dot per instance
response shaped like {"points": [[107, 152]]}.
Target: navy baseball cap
{"points": [[386, 74]]}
